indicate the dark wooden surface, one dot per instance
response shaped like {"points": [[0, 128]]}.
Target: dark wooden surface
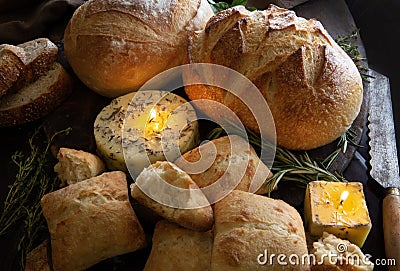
{"points": [[81, 108]]}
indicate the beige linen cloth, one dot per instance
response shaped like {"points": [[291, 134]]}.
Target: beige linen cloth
{"points": [[23, 20]]}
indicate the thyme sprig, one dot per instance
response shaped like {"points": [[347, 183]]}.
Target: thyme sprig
{"points": [[298, 167], [22, 204], [347, 44]]}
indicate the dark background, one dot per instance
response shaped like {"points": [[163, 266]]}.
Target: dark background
{"points": [[379, 24]]}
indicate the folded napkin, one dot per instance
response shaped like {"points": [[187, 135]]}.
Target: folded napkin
{"points": [[22, 20]]}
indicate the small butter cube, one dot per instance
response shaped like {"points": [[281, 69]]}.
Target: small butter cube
{"points": [[337, 208]]}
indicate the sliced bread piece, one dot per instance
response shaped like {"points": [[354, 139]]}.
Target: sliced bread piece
{"points": [[37, 99], [12, 64], [40, 54]]}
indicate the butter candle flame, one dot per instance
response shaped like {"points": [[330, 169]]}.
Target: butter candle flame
{"points": [[344, 196], [156, 121], [153, 115]]}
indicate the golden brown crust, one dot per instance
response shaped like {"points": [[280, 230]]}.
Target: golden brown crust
{"points": [[40, 54], [37, 259], [247, 225], [200, 219], [312, 87], [179, 249], [256, 171], [116, 46], [90, 221], [75, 165], [15, 112]]}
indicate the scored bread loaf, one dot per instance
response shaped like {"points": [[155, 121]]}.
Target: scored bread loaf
{"points": [[114, 46], [179, 249], [37, 99], [90, 221], [312, 87], [75, 166], [250, 228], [187, 207]]}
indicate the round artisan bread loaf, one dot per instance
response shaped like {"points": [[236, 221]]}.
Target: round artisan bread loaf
{"points": [[114, 46], [311, 85]]}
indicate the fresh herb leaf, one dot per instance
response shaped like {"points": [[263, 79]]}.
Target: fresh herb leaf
{"points": [[220, 6], [347, 44], [239, 2], [22, 204], [344, 141]]}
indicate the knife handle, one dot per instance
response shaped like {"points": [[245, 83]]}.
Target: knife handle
{"points": [[391, 226]]}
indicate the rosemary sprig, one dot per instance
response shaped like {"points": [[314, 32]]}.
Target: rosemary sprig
{"points": [[22, 204], [347, 44], [219, 6], [293, 166], [344, 141]]}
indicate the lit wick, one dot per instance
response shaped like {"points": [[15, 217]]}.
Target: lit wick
{"points": [[153, 115], [156, 122], [344, 196]]}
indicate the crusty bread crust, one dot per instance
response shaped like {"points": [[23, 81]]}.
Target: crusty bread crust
{"points": [[311, 85], [12, 60], [37, 259], [177, 249], [200, 219], [40, 54], [15, 110], [256, 172], [116, 46], [75, 166], [90, 221], [247, 224], [23, 64]]}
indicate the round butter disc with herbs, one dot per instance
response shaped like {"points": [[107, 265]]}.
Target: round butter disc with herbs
{"points": [[140, 128]]}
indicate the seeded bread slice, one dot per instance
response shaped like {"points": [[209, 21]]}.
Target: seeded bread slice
{"points": [[12, 64], [40, 54], [37, 99], [23, 64]]}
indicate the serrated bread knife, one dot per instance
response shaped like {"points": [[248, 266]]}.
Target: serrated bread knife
{"points": [[384, 162]]}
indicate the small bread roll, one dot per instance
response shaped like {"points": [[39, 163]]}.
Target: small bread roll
{"points": [[312, 87], [114, 46], [251, 179], [250, 228], [37, 259], [91, 221], [187, 207], [179, 249], [344, 256], [75, 165]]}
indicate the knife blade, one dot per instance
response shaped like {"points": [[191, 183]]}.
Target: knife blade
{"points": [[384, 161]]}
